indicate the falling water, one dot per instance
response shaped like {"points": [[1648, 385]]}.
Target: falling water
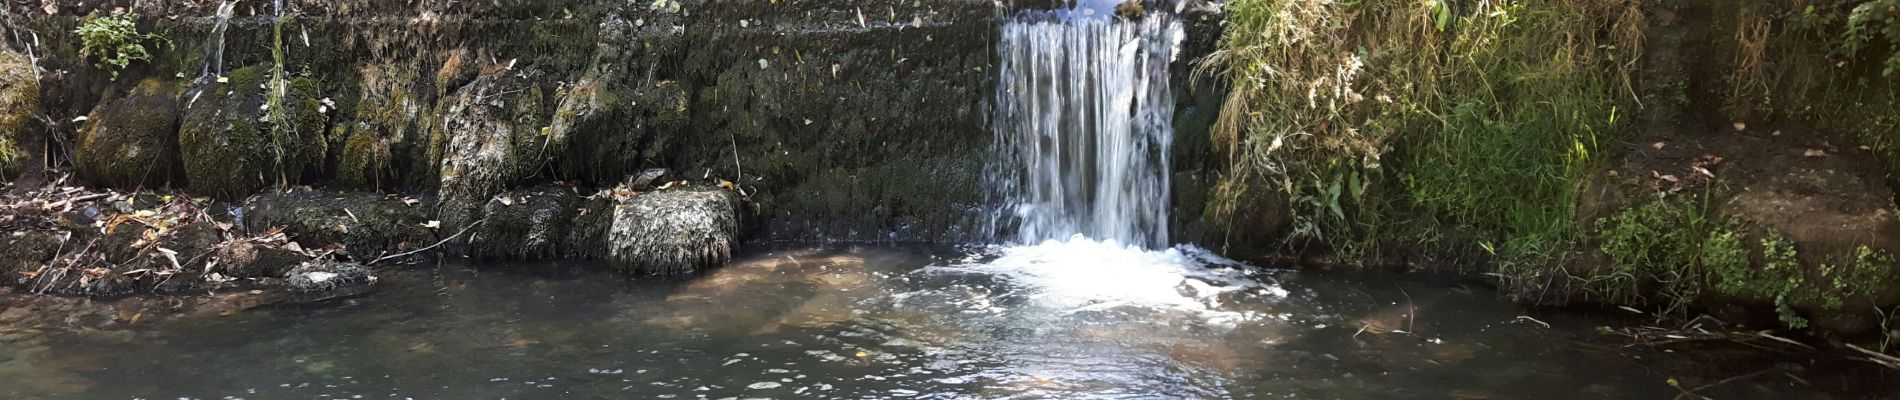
{"points": [[1082, 122], [214, 59]]}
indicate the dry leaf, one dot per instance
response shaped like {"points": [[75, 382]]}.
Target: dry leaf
{"points": [[1659, 145], [432, 224], [1814, 153], [1671, 178]]}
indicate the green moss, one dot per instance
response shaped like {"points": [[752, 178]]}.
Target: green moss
{"points": [[131, 141], [365, 161], [19, 101], [226, 153]]}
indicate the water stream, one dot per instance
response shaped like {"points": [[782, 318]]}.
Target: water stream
{"points": [[1082, 118], [1068, 320]]}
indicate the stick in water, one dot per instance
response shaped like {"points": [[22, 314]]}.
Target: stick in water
{"points": [[437, 244]]}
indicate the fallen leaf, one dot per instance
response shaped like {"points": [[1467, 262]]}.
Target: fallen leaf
{"points": [[1659, 145], [1814, 153], [432, 224], [506, 201], [1704, 171], [1671, 178]]}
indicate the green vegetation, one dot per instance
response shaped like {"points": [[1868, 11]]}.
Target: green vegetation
{"points": [[115, 41], [1384, 120], [1669, 247]]}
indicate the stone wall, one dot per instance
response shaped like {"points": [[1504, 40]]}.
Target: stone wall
{"points": [[843, 120]]}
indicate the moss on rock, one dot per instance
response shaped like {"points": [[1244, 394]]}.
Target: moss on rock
{"points": [[232, 148], [367, 225], [19, 100], [132, 141]]}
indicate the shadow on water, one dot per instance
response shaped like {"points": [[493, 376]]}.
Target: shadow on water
{"points": [[1079, 319]]}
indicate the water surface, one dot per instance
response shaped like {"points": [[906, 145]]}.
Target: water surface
{"points": [[1074, 319]]}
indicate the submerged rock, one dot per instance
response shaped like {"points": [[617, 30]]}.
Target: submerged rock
{"points": [[132, 141], [324, 276], [673, 231]]}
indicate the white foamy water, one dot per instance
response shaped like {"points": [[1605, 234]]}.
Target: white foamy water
{"points": [[1082, 274]]}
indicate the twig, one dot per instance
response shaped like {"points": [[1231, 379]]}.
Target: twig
{"points": [[437, 244], [1731, 379], [1876, 357]]}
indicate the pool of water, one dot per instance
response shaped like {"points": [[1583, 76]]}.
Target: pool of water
{"points": [[1075, 319]]}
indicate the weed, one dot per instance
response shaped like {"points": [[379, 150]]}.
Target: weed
{"points": [[1385, 119], [114, 41]]}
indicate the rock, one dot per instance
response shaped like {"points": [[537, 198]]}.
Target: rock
{"points": [[367, 225], [26, 251], [673, 231], [386, 144], [19, 100], [495, 138], [625, 119], [649, 178], [251, 260], [231, 148], [524, 225], [328, 277], [131, 141]]}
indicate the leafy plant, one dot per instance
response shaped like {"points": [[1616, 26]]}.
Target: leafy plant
{"points": [[1871, 21], [114, 41]]}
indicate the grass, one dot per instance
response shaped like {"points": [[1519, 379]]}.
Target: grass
{"points": [[1385, 120]]}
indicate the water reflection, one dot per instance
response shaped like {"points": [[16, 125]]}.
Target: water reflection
{"points": [[1070, 319]]}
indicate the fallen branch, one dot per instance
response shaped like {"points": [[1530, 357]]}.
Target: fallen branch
{"points": [[1876, 357], [430, 247]]}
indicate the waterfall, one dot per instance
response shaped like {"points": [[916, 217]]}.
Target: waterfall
{"points": [[1082, 116], [214, 58]]}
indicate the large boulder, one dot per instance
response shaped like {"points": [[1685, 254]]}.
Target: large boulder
{"points": [[19, 100], [673, 231], [132, 141], [231, 145]]}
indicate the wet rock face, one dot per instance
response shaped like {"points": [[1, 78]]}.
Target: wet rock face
{"points": [[495, 137], [232, 148], [19, 100], [673, 231], [801, 104], [132, 141], [525, 225]]}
